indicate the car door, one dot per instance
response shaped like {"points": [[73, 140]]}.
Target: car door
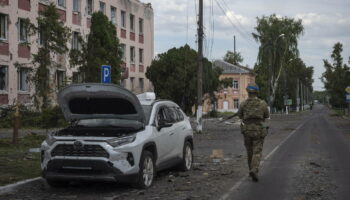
{"points": [[164, 144], [174, 136]]}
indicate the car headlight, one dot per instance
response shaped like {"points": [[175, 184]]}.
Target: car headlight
{"points": [[50, 139], [121, 141]]}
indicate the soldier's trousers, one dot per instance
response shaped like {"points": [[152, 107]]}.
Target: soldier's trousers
{"points": [[254, 148]]}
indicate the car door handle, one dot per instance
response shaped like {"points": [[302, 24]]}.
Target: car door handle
{"points": [[171, 133], [183, 128]]}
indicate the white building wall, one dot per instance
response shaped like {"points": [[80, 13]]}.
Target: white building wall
{"points": [[135, 7]]}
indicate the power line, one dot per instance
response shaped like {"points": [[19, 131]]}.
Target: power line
{"points": [[239, 23], [234, 26]]}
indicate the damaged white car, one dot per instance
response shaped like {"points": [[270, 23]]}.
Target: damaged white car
{"points": [[115, 136]]}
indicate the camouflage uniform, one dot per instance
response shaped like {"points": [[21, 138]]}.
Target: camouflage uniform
{"points": [[253, 113]]}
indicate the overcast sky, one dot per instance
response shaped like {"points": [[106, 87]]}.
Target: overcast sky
{"points": [[325, 21]]}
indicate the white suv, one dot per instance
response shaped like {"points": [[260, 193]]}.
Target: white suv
{"points": [[115, 136]]}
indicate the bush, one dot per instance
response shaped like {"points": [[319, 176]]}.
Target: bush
{"points": [[49, 118]]}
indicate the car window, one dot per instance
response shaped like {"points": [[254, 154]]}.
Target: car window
{"points": [[180, 116], [171, 114], [161, 116]]}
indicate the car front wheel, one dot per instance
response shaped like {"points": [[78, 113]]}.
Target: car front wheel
{"points": [[147, 170], [187, 158]]}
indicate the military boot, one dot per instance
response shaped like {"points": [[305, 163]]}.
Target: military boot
{"points": [[254, 176]]}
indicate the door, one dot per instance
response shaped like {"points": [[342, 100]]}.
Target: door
{"points": [[163, 141], [225, 105]]}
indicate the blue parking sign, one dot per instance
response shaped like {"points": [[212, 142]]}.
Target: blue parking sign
{"points": [[106, 74]]}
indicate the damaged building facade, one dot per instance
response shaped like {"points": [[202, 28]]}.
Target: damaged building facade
{"points": [[133, 21]]}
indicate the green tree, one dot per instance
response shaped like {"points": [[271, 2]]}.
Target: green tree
{"points": [[102, 48], [336, 77], [234, 58], [278, 38], [174, 76], [54, 37]]}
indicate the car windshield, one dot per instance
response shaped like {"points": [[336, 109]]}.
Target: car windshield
{"points": [[147, 109], [118, 123]]}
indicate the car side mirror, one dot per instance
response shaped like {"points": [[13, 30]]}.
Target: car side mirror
{"points": [[163, 124]]}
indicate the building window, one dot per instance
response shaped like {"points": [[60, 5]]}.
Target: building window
{"points": [[60, 76], [22, 30], [141, 26], [132, 22], [141, 84], [132, 83], [76, 5], [132, 54], [23, 79], [141, 55], [235, 103], [41, 37], [103, 7], [122, 18], [114, 15], [75, 40], [77, 78], [3, 78], [122, 51], [89, 7], [235, 84], [3, 27], [61, 3]]}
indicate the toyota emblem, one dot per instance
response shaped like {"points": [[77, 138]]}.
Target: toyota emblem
{"points": [[78, 145]]}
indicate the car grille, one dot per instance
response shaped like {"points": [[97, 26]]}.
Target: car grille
{"points": [[84, 151]]}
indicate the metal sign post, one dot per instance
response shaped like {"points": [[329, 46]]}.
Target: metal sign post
{"points": [[348, 98], [106, 74]]}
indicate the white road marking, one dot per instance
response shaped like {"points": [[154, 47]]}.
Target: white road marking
{"points": [[239, 183]]}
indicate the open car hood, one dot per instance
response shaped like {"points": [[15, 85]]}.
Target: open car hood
{"points": [[94, 100]]}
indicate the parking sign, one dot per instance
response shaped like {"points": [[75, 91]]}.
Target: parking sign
{"points": [[106, 74]]}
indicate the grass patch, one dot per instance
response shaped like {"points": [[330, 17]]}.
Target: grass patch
{"points": [[16, 162], [337, 113]]}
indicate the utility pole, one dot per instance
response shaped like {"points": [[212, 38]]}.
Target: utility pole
{"points": [[298, 98], [200, 68], [234, 44]]}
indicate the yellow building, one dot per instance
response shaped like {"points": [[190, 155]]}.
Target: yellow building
{"points": [[229, 99]]}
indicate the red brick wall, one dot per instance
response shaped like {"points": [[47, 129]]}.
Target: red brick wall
{"points": [[4, 99], [62, 14], [123, 33], [4, 2], [24, 4], [76, 19], [132, 67], [23, 51], [141, 39], [141, 68], [132, 36], [42, 7], [23, 98], [4, 49]]}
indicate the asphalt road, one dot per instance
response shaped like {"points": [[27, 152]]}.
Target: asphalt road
{"points": [[313, 163]]}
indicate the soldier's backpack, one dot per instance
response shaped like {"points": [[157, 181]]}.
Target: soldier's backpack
{"points": [[253, 109]]}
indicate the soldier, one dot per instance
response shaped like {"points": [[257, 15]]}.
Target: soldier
{"points": [[253, 113]]}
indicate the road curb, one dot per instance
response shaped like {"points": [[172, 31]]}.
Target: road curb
{"points": [[10, 187]]}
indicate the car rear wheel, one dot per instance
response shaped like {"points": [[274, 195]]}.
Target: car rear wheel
{"points": [[187, 158], [147, 170]]}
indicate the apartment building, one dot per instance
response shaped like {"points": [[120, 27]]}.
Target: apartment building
{"points": [[135, 29], [229, 99]]}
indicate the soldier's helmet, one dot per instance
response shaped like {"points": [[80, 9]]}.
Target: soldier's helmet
{"points": [[252, 88]]}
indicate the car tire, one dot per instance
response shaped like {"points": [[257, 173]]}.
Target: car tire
{"points": [[57, 183], [187, 157], [147, 171]]}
